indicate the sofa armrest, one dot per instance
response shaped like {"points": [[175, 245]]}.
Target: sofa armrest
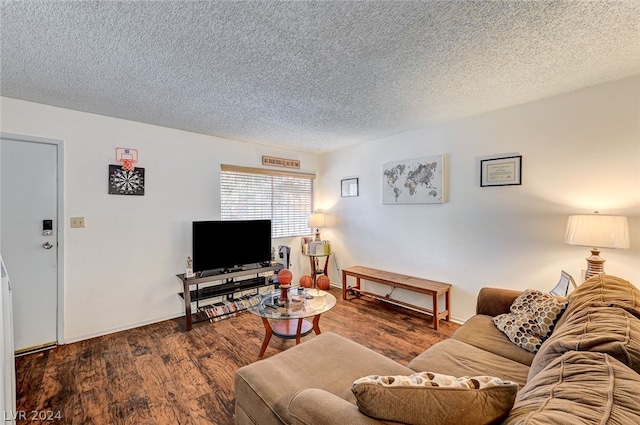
{"points": [[495, 301], [314, 406]]}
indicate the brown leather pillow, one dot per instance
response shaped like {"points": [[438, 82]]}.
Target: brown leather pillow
{"points": [[610, 330], [605, 291], [579, 388]]}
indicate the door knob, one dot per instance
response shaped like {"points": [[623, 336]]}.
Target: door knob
{"points": [[47, 245]]}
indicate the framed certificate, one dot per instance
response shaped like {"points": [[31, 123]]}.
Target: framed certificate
{"points": [[504, 171]]}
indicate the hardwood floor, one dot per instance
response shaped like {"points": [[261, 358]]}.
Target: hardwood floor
{"points": [[159, 374]]}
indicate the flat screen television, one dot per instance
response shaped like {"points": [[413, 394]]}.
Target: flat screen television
{"points": [[222, 246]]}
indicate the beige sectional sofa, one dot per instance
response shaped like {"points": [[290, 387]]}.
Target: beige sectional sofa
{"points": [[586, 372]]}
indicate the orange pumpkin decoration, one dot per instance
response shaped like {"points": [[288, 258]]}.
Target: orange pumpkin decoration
{"points": [[285, 277], [323, 282], [306, 281]]}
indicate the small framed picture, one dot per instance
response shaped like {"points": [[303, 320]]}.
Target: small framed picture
{"points": [[562, 287], [505, 171], [349, 187]]}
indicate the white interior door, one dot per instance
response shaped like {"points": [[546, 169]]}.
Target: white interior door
{"points": [[7, 363], [28, 187]]}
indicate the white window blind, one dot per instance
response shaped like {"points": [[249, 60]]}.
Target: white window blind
{"points": [[285, 198]]}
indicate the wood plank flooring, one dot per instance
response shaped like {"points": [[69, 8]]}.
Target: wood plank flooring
{"points": [[159, 374]]}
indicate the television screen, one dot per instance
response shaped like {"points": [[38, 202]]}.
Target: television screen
{"points": [[227, 245]]}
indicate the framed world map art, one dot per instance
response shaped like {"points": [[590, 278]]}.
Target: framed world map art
{"points": [[414, 181], [125, 182]]}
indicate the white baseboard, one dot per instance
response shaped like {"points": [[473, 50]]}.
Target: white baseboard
{"points": [[162, 319], [118, 329]]}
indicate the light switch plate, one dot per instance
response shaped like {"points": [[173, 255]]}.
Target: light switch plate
{"points": [[77, 222]]}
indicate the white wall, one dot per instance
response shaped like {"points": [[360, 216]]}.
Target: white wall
{"points": [[120, 269], [581, 152]]}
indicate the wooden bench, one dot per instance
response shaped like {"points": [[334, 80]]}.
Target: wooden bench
{"points": [[395, 280]]}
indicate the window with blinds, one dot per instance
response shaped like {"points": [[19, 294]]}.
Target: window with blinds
{"points": [[286, 198]]}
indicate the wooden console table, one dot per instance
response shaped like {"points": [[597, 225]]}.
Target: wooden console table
{"points": [[395, 280]]}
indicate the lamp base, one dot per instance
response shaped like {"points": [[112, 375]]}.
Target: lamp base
{"points": [[595, 264], [317, 235]]}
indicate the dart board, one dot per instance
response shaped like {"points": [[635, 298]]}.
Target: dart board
{"points": [[125, 182]]}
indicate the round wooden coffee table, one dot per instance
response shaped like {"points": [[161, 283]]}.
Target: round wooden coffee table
{"points": [[288, 319]]}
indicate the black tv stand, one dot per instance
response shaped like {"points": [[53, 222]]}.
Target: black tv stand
{"points": [[240, 268], [234, 269], [208, 273], [228, 286]]}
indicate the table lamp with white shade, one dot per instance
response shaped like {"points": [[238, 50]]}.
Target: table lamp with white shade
{"points": [[316, 220], [597, 231]]}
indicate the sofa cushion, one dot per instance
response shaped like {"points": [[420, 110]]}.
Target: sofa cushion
{"points": [[603, 291], [480, 332], [314, 406], [610, 330], [453, 357], [532, 318], [263, 386], [447, 399], [579, 388]]}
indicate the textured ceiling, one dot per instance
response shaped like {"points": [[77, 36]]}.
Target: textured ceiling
{"points": [[314, 75]]}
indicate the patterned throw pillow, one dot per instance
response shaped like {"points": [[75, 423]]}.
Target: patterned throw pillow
{"points": [[431, 379], [531, 320], [428, 398]]}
